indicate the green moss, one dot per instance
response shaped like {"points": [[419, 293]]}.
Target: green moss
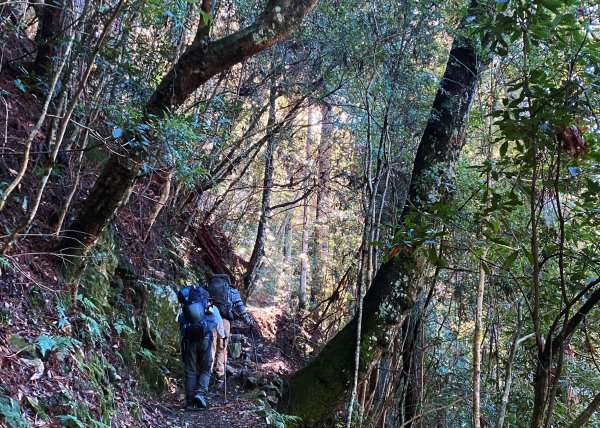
{"points": [[316, 391], [99, 271]]}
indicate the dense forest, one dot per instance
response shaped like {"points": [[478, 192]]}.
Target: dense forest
{"points": [[405, 193]]}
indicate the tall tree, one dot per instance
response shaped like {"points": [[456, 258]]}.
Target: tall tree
{"points": [[201, 60], [258, 252], [314, 392]]}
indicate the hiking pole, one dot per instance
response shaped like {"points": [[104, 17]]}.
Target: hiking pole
{"points": [[254, 348], [225, 370]]}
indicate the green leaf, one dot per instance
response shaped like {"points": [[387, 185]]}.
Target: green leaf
{"points": [[46, 343], [11, 410], [486, 268], [508, 262], [72, 421], [206, 18], [503, 149], [553, 5], [39, 410]]}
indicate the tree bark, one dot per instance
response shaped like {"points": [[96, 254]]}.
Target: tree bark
{"points": [[52, 16], [317, 390], [587, 413], [201, 60], [477, 336], [304, 254], [548, 369], [509, 368], [165, 191], [319, 243], [258, 252]]}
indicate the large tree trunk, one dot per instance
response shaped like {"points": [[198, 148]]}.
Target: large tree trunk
{"points": [[412, 360], [316, 391], [202, 60], [52, 16]]}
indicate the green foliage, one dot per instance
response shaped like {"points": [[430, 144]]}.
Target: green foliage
{"points": [[10, 409], [23, 346], [120, 327], [146, 355], [63, 320], [56, 343], [265, 405], [73, 421], [5, 263], [39, 409], [179, 137]]}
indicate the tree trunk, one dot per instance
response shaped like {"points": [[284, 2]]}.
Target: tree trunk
{"points": [[258, 252], [319, 242], [549, 359], [509, 369], [317, 390], [304, 254], [50, 28], [202, 60], [165, 191], [411, 365], [312, 136], [477, 336], [587, 413]]}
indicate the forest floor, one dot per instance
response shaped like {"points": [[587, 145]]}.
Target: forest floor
{"points": [[58, 383]]}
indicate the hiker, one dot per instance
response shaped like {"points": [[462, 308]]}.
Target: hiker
{"points": [[199, 321], [227, 299]]}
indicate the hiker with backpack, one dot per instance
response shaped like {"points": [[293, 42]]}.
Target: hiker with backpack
{"points": [[198, 323], [229, 303]]}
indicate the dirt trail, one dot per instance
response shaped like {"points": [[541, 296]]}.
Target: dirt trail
{"points": [[237, 412], [252, 372]]}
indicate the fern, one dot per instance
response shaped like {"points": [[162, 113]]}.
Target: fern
{"points": [[88, 305], [56, 343], [264, 408], [121, 328], [5, 263], [146, 354], [11, 410], [72, 421], [63, 321]]}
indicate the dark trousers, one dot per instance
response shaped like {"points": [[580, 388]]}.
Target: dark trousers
{"points": [[197, 360]]}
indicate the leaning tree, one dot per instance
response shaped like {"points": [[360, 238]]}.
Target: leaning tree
{"points": [[317, 390], [202, 59]]}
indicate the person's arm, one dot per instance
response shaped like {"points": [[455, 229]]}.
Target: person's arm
{"points": [[238, 308], [219, 321]]}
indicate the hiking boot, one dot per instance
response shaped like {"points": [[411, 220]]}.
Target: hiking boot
{"points": [[200, 402], [192, 407], [220, 382]]}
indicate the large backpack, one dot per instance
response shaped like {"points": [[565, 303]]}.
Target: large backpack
{"points": [[194, 302], [218, 288]]}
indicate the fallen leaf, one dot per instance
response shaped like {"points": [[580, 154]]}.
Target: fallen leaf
{"points": [[37, 365]]}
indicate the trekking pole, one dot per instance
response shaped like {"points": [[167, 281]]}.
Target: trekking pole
{"points": [[225, 371], [254, 348]]}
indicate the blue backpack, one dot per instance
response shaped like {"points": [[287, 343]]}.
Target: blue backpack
{"points": [[194, 302]]}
